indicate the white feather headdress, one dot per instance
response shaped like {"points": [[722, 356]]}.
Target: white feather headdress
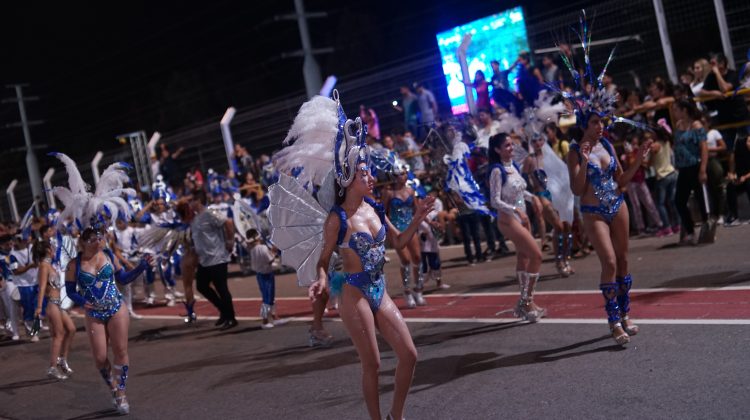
{"points": [[88, 209], [314, 130]]}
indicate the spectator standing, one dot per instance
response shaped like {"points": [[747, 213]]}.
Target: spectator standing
{"points": [[170, 168], [739, 176], [730, 109], [409, 107], [691, 159], [213, 236], [428, 108], [666, 179], [370, 118]]}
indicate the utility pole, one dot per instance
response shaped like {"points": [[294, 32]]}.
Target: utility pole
{"points": [[31, 163], [310, 68]]}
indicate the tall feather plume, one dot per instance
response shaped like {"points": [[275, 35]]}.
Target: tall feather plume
{"points": [[313, 132], [82, 206]]}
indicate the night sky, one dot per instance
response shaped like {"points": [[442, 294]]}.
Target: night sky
{"points": [[116, 67]]}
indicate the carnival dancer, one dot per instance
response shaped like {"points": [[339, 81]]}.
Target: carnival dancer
{"points": [[508, 195], [399, 203], [62, 329], [90, 279], [548, 179], [595, 174], [125, 247], [158, 212], [358, 226]]}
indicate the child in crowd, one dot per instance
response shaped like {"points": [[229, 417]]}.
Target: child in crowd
{"points": [[261, 260]]}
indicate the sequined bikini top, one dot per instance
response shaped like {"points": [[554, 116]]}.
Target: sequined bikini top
{"points": [[97, 288], [371, 251], [602, 181]]}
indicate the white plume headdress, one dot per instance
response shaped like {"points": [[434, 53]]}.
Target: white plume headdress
{"points": [[105, 204], [323, 136]]}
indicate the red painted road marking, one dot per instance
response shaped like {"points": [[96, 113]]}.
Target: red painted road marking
{"points": [[661, 304]]}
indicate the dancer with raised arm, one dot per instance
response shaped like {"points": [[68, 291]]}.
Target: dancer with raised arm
{"points": [[595, 176], [357, 225], [90, 278]]}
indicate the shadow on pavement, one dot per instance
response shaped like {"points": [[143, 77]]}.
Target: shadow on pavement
{"points": [[298, 366], [26, 384], [438, 371], [101, 414], [438, 338]]}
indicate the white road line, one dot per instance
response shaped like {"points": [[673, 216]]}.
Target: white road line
{"points": [[492, 320], [537, 293]]}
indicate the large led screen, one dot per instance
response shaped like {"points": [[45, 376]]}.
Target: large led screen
{"points": [[498, 37]]}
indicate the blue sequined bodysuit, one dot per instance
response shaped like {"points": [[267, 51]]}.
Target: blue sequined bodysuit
{"points": [[401, 212], [99, 290], [371, 252], [604, 185], [540, 176]]}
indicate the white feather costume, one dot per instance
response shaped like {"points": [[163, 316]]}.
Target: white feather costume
{"points": [[88, 209]]}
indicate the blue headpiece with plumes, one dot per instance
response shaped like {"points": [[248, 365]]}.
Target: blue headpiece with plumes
{"points": [[596, 100], [350, 148]]}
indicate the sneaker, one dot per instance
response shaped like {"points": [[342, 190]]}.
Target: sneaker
{"points": [[410, 302], [34, 339], [687, 240], [419, 299], [472, 262], [443, 286], [150, 301], [266, 324], [54, 373], [319, 338], [15, 338], [229, 324], [664, 232], [720, 220], [43, 326], [676, 229], [732, 223]]}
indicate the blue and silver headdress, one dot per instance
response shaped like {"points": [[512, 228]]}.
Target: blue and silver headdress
{"points": [[86, 209], [597, 100], [321, 135]]}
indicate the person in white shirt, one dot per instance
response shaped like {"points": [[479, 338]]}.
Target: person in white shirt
{"points": [[261, 261]]}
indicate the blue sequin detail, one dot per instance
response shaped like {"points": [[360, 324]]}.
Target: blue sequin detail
{"points": [[401, 212], [100, 290], [371, 252], [605, 188]]}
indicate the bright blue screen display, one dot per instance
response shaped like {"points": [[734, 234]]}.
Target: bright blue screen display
{"points": [[498, 37]]}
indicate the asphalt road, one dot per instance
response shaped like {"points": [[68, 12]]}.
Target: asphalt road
{"points": [[683, 364]]}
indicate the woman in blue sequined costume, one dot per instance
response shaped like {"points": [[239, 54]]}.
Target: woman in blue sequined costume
{"points": [[90, 282], [359, 227], [399, 204], [595, 176], [90, 278]]}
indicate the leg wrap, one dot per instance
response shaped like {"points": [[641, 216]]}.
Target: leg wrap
{"points": [[560, 246], [623, 293], [523, 284], [405, 275], [569, 247], [532, 279], [106, 373], [609, 291], [419, 286], [265, 311], [437, 275], [122, 376], [189, 307]]}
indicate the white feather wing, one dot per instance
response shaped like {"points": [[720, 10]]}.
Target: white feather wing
{"points": [[296, 227]]}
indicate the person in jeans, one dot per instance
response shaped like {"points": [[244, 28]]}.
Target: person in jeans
{"points": [[691, 159], [213, 237], [666, 178], [468, 222], [638, 190]]}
